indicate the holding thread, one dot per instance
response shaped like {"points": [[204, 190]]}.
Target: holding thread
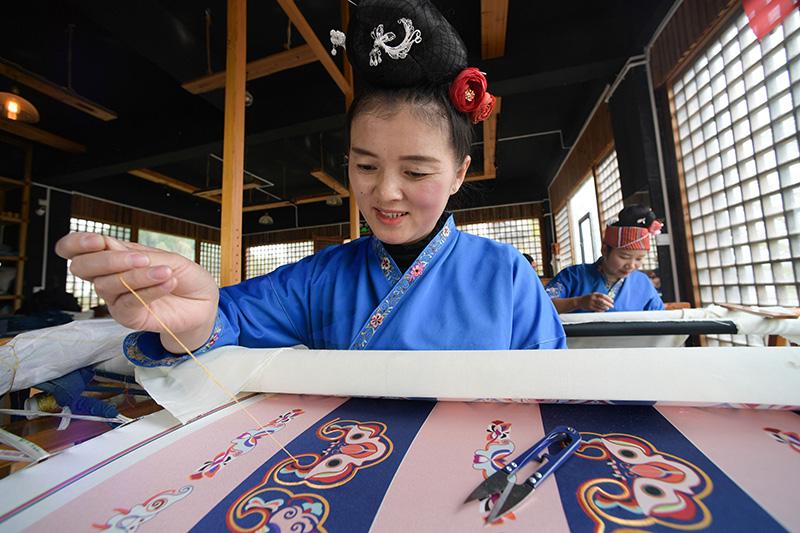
{"points": [[208, 373]]}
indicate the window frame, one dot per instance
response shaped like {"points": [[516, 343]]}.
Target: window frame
{"points": [[247, 257], [715, 189], [536, 237]]}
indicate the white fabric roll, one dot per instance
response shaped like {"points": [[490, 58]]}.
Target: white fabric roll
{"points": [[684, 376], [746, 323], [37, 356], [632, 341]]}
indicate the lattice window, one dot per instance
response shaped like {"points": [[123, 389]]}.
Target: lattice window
{"points": [[260, 260], [524, 234], [737, 110], [609, 186], [81, 289], [563, 238], [210, 258]]}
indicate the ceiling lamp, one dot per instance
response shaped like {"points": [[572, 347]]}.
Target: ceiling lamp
{"points": [[265, 219], [333, 201], [15, 107]]}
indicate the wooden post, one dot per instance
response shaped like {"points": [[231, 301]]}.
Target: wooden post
{"points": [[233, 145], [23, 227], [355, 216]]}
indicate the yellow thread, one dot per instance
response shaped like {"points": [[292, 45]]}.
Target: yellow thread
{"points": [[47, 403], [205, 369]]}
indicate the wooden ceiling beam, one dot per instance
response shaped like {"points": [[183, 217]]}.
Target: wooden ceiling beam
{"points": [[314, 198], [321, 51], [270, 205], [295, 57], [32, 133], [490, 140], [218, 192], [47, 87], [169, 156], [300, 200], [163, 179], [330, 181], [494, 21]]}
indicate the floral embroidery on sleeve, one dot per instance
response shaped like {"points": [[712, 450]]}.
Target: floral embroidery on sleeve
{"points": [[131, 348], [556, 290]]}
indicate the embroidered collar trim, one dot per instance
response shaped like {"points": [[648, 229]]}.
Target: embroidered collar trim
{"points": [[403, 284]]}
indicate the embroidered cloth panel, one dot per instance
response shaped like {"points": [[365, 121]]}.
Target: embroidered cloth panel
{"points": [[391, 465]]}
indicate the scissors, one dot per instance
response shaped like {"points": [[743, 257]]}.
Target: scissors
{"points": [[504, 481]]}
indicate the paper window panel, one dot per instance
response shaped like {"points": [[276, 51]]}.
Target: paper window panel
{"points": [[260, 260], [741, 166], [563, 238], [788, 293], [210, 258], [523, 234], [609, 189], [84, 290]]}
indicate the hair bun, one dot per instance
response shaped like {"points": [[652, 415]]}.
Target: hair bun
{"points": [[635, 216], [424, 49]]}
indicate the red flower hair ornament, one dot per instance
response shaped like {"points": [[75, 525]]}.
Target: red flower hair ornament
{"points": [[468, 94]]}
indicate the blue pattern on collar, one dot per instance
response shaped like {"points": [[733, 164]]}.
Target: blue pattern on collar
{"points": [[387, 264], [401, 285]]}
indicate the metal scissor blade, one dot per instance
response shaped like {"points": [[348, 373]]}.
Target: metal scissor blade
{"points": [[512, 500], [491, 485]]}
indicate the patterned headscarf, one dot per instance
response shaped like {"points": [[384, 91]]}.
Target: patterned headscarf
{"points": [[633, 229]]}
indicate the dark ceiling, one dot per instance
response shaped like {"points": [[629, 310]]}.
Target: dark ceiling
{"points": [[132, 58]]}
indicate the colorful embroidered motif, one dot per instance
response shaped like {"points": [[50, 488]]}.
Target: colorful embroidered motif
{"points": [[243, 444], [647, 486], [402, 284], [390, 271], [354, 445], [376, 320], [277, 510], [417, 270], [556, 290], [131, 349], [785, 437], [491, 458], [386, 265], [129, 520]]}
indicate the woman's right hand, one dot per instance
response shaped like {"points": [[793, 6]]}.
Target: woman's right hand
{"points": [[180, 292], [595, 301]]}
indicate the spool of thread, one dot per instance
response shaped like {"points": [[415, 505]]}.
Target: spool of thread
{"points": [[45, 402]]}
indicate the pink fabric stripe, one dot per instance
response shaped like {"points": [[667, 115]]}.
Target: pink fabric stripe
{"points": [[436, 475], [170, 468], [736, 441]]}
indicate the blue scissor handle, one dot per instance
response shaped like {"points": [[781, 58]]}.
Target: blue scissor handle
{"points": [[560, 434]]}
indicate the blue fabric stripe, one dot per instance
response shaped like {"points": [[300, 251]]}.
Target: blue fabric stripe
{"points": [[351, 506], [726, 506]]}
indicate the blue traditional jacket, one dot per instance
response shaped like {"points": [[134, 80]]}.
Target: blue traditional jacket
{"points": [[462, 292], [636, 292]]}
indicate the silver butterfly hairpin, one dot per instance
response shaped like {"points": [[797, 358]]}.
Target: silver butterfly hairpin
{"points": [[394, 52], [381, 39]]}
